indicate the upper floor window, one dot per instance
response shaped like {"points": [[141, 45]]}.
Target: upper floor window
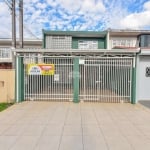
{"points": [[144, 40], [58, 37], [87, 44], [123, 42]]}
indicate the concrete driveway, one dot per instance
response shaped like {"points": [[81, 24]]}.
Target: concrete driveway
{"points": [[69, 126]]}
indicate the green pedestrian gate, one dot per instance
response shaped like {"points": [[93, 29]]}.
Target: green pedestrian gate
{"points": [[75, 78]]}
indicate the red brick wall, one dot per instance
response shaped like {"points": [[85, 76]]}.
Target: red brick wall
{"points": [[5, 66]]}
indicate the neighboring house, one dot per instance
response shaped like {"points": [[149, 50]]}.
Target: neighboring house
{"points": [[125, 39], [28, 43], [6, 50]]}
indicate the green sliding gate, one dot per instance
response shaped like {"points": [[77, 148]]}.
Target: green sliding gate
{"points": [[62, 78], [106, 79]]}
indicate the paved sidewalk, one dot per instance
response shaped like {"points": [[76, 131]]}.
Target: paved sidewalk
{"points": [[69, 126], [145, 103]]}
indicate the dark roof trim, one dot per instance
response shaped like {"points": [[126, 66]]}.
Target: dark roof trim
{"points": [[77, 33], [71, 51]]}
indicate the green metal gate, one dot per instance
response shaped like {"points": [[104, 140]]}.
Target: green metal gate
{"points": [[75, 78], [57, 84], [106, 79]]}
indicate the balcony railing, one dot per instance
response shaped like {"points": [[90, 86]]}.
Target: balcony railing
{"points": [[5, 55]]}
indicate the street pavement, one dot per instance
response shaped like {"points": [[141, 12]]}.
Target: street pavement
{"points": [[70, 126]]}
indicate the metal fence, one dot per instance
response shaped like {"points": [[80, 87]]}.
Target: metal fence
{"points": [[106, 79], [101, 79], [58, 85]]}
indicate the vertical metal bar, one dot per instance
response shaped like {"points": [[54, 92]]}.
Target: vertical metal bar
{"points": [[76, 79], [121, 85], [72, 78], [131, 79], [56, 89], [24, 79], [51, 78], [68, 84], [101, 79], [88, 81], [65, 73], [112, 88], [48, 87], [95, 83], [122, 80], [133, 94], [63, 78], [117, 79], [90, 73], [103, 74], [89, 92], [125, 80], [84, 77], [110, 80], [55, 83], [90, 78], [128, 82], [109, 75], [67, 79]]}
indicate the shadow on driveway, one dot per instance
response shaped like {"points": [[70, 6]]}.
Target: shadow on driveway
{"points": [[145, 103]]}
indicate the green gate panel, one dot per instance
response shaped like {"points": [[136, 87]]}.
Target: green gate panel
{"points": [[133, 90], [19, 79], [76, 80]]}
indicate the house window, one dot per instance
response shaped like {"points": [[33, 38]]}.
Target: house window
{"points": [[144, 40], [87, 44], [59, 37], [123, 42]]}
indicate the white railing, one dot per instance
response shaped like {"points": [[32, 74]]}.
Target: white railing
{"points": [[5, 55]]}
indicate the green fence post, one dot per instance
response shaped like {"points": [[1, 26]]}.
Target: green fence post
{"points": [[76, 80], [133, 89], [19, 79]]}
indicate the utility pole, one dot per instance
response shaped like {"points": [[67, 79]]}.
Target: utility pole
{"points": [[13, 24], [21, 23]]}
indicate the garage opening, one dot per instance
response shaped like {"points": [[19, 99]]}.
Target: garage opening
{"points": [[106, 79]]}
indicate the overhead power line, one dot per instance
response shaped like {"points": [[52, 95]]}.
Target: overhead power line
{"points": [[26, 28], [9, 4]]}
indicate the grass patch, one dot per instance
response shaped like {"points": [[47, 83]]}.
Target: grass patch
{"points": [[4, 106]]}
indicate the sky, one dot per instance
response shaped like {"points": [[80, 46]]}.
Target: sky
{"points": [[76, 15]]}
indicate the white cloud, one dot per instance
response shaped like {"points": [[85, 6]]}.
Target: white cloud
{"points": [[77, 15], [147, 5], [137, 20], [5, 21]]}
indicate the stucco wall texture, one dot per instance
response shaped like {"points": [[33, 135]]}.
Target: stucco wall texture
{"points": [[7, 85]]}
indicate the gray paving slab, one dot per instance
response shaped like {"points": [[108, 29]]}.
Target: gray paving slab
{"points": [[69, 126], [145, 103]]}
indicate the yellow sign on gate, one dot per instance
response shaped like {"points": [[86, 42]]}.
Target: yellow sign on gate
{"points": [[40, 69]]}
